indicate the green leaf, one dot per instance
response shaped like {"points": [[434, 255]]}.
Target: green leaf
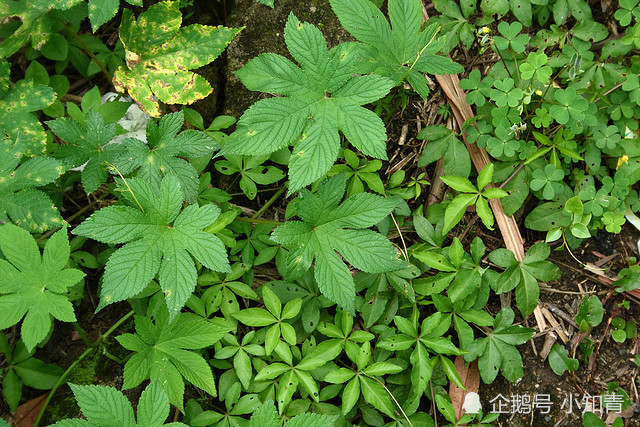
{"points": [[397, 51], [323, 232], [161, 353], [376, 395], [153, 406], [32, 286], [456, 209], [255, 317], [12, 389], [20, 202], [37, 374], [560, 361], [159, 54], [36, 23], [162, 155], [103, 405], [265, 416], [319, 96], [161, 240], [350, 395], [101, 12]]}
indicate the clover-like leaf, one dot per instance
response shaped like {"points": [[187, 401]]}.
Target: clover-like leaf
{"points": [[161, 238], [399, 51], [536, 66], [33, 286], [321, 98], [20, 202], [160, 54], [570, 105], [328, 226]]}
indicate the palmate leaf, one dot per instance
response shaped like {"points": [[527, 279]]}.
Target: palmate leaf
{"points": [[161, 238], [159, 54], [19, 201], [162, 353], [322, 97], [399, 51], [17, 103], [36, 23], [159, 156], [328, 226], [88, 145], [33, 286]]}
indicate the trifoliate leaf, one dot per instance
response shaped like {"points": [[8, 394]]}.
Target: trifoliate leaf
{"points": [[161, 154], [33, 286], [19, 201], [88, 144], [162, 353], [17, 103], [327, 227], [160, 238], [159, 54], [322, 98], [400, 51]]}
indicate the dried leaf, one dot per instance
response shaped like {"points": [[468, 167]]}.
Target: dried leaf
{"points": [[470, 378]]}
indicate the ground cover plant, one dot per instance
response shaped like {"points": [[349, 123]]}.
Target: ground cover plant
{"points": [[324, 258]]}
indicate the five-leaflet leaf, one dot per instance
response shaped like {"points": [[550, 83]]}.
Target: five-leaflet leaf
{"points": [[328, 226], [161, 238], [321, 98], [32, 285]]}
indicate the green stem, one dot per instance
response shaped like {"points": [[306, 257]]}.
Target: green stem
{"points": [[269, 203], [82, 334], [88, 51], [63, 377]]}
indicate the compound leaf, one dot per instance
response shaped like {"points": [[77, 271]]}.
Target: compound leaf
{"points": [[158, 241], [160, 54], [33, 286], [319, 96], [327, 227], [395, 51]]}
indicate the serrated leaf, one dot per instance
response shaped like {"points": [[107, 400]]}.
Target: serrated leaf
{"points": [[153, 406], [17, 103], [159, 54], [103, 405], [395, 51], [19, 201], [162, 353], [339, 230], [162, 153], [319, 96], [32, 286], [88, 145], [158, 242], [36, 23]]}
